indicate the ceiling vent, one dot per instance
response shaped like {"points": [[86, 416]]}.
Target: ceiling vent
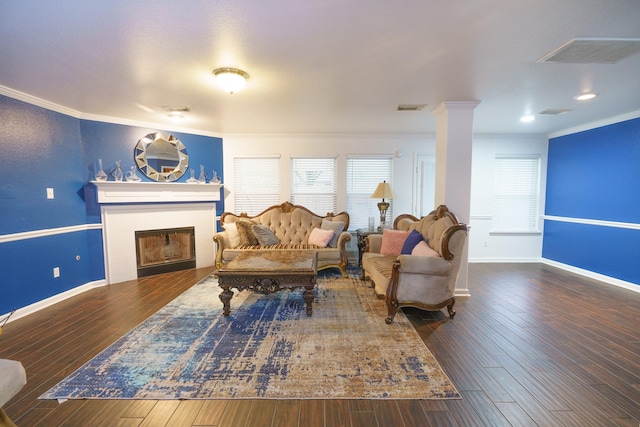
{"points": [[555, 111], [411, 107], [176, 109], [593, 51]]}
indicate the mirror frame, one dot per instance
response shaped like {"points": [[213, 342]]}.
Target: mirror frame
{"points": [[140, 157]]}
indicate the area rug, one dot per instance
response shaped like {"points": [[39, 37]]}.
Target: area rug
{"points": [[267, 348]]}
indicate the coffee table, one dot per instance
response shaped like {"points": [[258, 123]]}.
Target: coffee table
{"points": [[269, 271]]}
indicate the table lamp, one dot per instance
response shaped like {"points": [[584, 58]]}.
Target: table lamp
{"points": [[383, 191]]}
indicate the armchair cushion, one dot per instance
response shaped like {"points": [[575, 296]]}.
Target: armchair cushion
{"points": [[392, 242], [412, 240], [422, 249], [245, 231], [264, 235], [232, 233], [336, 226]]}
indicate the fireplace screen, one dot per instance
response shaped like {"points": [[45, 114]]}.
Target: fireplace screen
{"points": [[161, 251]]}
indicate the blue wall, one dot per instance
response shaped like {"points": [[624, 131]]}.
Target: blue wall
{"points": [[42, 149], [595, 175]]}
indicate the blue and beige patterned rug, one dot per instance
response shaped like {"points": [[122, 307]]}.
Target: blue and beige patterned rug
{"points": [[267, 348]]}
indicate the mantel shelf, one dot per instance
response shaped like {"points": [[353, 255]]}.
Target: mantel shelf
{"points": [[155, 192]]}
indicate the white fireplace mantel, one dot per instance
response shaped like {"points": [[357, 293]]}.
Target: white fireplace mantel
{"points": [[155, 192]]}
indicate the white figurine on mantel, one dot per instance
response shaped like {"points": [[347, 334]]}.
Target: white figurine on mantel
{"points": [[203, 176], [193, 179], [132, 176], [215, 179]]}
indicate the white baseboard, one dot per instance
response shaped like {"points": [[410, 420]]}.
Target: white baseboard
{"points": [[600, 277], [36, 306], [504, 260]]}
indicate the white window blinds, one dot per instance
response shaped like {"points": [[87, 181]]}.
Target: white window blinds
{"points": [[516, 194], [256, 183], [363, 176], [313, 184]]}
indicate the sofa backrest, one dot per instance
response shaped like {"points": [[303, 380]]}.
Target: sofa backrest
{"points": [[437, 230], [290, 223]]}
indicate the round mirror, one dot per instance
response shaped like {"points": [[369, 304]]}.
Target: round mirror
{"points": [[161, 158]]}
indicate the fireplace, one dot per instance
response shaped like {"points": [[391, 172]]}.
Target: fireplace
{"points": [[164, 250], [127, 207]]}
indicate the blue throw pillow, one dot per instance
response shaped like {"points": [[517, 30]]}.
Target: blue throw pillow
{"points": [[412, 240]]}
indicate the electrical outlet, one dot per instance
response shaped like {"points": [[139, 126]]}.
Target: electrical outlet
{"points": [[50, 194], [56, 272]]}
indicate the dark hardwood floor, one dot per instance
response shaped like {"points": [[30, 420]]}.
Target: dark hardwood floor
{"points": [[533, 345]]}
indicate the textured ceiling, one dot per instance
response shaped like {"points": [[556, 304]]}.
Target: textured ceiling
{"points": [[328, 66]]}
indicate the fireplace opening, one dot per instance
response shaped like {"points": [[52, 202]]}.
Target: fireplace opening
{"points": [[161, 251]]}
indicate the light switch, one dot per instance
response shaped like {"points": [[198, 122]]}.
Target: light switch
{"points": [[50, 193]]}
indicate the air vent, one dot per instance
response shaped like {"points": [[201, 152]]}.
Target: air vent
{"points": [[411, 107], [555, 111], [176, 109], [593, 51]]}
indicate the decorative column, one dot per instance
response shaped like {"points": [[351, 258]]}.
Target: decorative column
{"points": [[454, 137]]}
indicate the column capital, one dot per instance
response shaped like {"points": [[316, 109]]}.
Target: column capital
{"points": [[455, 105]]}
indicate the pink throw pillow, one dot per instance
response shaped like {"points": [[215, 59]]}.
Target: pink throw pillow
{"points": [[320, 237], [392, 242], [422, 249]]}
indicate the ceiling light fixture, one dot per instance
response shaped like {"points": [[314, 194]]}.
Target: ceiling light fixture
{"points": [[585, 97], [231, 80], [527, 118]]}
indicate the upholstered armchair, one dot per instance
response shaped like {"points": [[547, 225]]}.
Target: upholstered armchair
{"points": [[423, 274]]}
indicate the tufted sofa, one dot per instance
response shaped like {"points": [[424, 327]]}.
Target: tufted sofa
{"points": [[425, 279], [292, 226]]}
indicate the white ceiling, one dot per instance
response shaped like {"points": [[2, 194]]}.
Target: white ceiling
{"points": [[327, 66]]}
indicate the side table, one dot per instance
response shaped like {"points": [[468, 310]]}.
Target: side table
{"points": [[361, 234]]}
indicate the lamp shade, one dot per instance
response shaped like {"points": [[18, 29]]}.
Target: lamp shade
{"points": [[383, 191], [230, 80]]}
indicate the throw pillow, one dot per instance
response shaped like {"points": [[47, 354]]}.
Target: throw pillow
{"points": [[232, 232], [264, 235], [422, 249], [336, 226], [247, 238], [412, 240], [320, 237], [392, 242]]}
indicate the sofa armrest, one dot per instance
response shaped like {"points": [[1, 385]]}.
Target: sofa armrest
{"points": [[373, 243], [221, 241], [433, 266]]}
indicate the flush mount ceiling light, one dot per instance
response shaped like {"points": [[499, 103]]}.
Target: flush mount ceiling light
{"points": [[585, 96], [527, 118], [231, 80]]}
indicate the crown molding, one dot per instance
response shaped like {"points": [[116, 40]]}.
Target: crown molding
{"points": [[597, 124], [39, 102]]}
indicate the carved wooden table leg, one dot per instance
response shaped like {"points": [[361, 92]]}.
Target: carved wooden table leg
{"points": [[225, 297], [308, 298]]}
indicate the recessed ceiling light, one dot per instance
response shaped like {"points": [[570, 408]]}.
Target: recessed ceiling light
{"points": [[585, 96], [528, 118]]}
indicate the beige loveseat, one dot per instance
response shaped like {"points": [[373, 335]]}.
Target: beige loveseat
{"points": [[284, 226], [426, 276]]}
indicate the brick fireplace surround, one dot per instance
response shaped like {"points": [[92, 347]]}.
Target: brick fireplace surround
{"points": [[127, 207]]}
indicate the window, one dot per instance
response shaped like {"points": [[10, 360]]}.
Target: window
{"points": [[313, 184], [517, 194], [363, 176], [257, 183]]}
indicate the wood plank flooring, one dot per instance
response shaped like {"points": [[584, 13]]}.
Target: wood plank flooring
{"points": [[532, 346]]}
